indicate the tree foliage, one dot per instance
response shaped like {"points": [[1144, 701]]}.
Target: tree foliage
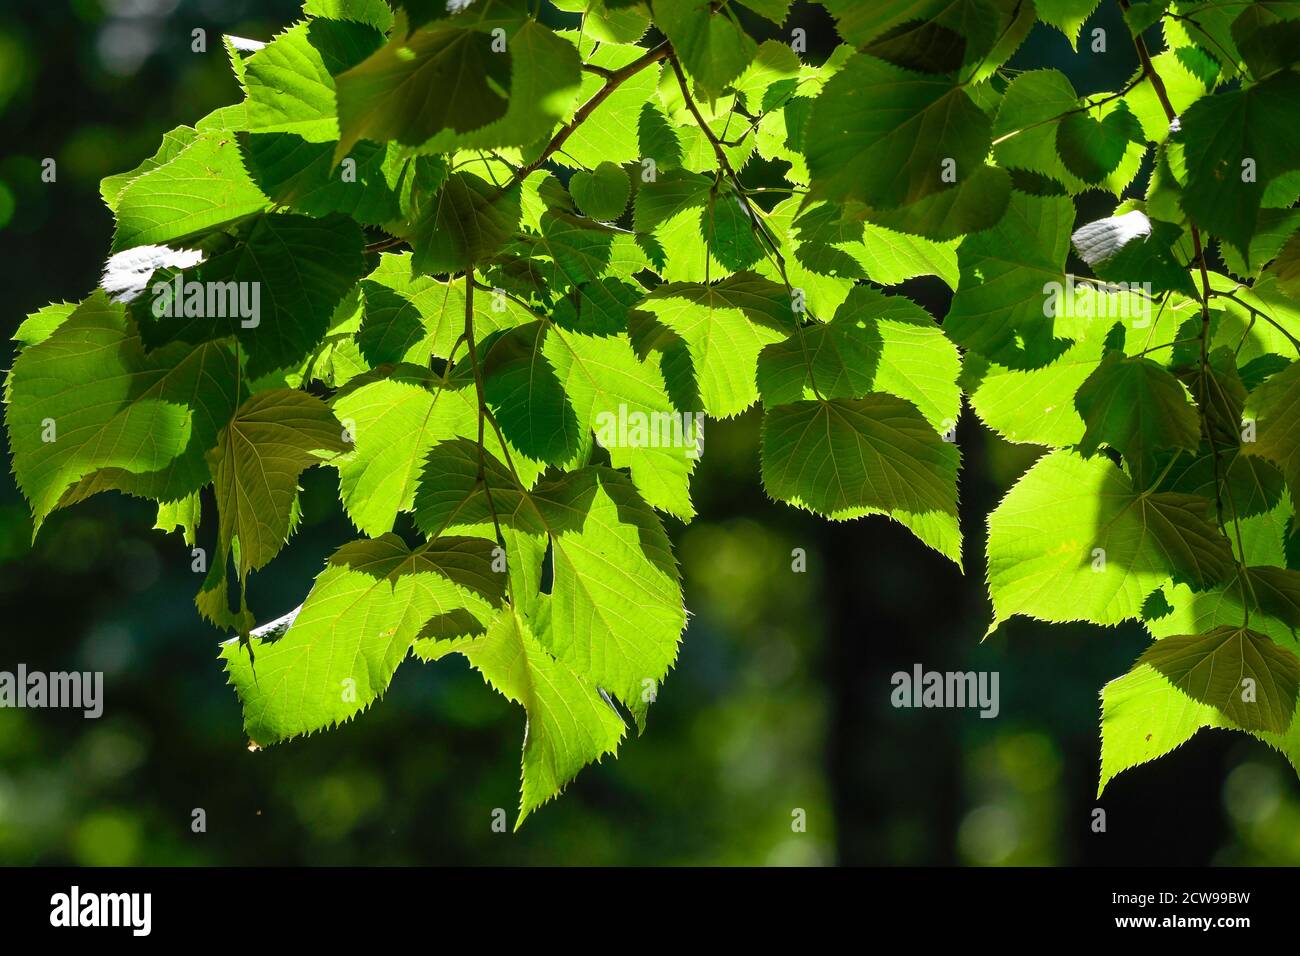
{"points": [[497, 271]]}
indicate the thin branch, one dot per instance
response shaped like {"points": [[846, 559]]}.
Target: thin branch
{"points": [[616, 79], [1132, 85], [389, 243]]}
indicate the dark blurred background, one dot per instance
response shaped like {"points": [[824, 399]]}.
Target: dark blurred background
{"points": [[780, 700]]}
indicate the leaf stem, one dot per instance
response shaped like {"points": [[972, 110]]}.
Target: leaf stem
{"points": [[756, 221], [383, 244], [1257, 313], [1166, 345], [482, 405], [1165, 471]]}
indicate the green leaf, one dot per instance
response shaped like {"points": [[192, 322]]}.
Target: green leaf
{"points": [[891, 258], [822, 295], [259, 455], [619, 21], [712, 46], [1144, 14], [1075, 541], [302, 175], [725, 325], [615, 600], [545, 78], [358, 623], [411, 317], [608, 133], [875, 343], [444, 77], [925, 46], [202, 188], [1092, 149], [1001, 308], [668, 196], [89, 410], [287, 274], [774, 10], [1025, 131], [1277, 592], [602, 194], [290, 81], [846, 458], [374, 12], [182, 515], [1183, 86], [110, 187], [729, 231], [1005, 30], [1267, 41], [886, 136], [1274, 229], [597, 308], [394, 422], [1275, 317], [657, 138], [974, 204], [1235, 144], [625, 401], [980, 22], [1254, 486], [1068, 16], [1034, 405], [42, 323], [1038, 125], [1237, 671], [583, 250], [569, 724], [1144, 716], [1286, 268], [1139, 409], [527, 397], [470, 220], [1275, 407]]}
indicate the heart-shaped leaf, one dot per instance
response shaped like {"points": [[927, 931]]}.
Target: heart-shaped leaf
{"points": [[1093, 149], [603, 193]]}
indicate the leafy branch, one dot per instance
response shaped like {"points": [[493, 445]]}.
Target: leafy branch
{"points": [[1207, 380]]}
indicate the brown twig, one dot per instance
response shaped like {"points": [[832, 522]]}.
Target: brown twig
{"points": [[615, 79]]}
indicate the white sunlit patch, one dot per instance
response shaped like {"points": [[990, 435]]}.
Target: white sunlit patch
{"points": [[244, 44], [1098, 241], [127, 274]]}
